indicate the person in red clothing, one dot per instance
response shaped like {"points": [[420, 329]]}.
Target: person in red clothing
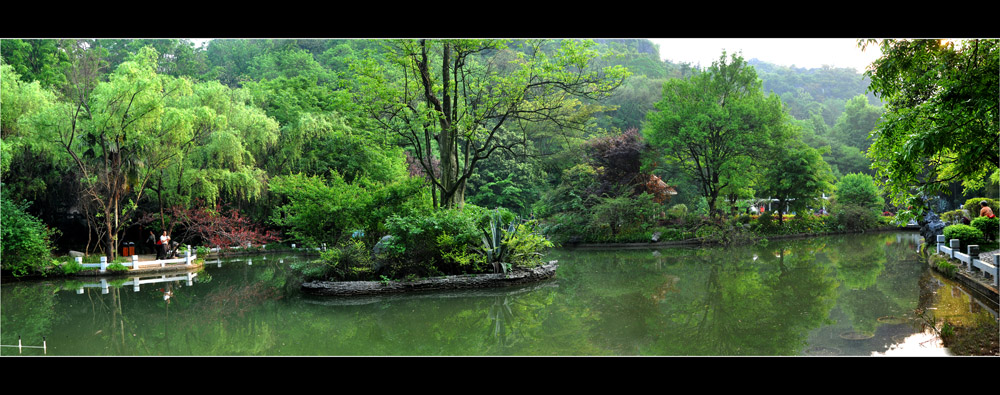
{"points": [[986, 211]]}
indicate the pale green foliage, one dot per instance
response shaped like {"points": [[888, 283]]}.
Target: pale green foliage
{"points": [[119, 135], [527, 245], [20, 102], [220, 158]]}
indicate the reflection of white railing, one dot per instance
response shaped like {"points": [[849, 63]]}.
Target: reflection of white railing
{"points": [[969, 260], [136, 282], [19, 346], [136, 263]]}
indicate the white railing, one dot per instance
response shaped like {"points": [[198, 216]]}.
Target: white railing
{"points": [[970, 260], [135, 263]]}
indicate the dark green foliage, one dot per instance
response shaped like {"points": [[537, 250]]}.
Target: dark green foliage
{"points": [[26, 241], [417, 241], [612, 216], [941, 120], [349, 260], [854, 218], [990, 227], [802, 223], [797, 177], [967, 234]]}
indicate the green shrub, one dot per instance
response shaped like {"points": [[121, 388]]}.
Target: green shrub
{"points": [[701, 208], [807, 224], [973, 207], [201, 251], [678, 211], [526, 245], [967, 235], [117, 267], [670, 234], [25, 240], [71, 267], [854, 218], [622, 214], [764, 223], [415, 249], [743, 219], [989, 226], [350, 260]]}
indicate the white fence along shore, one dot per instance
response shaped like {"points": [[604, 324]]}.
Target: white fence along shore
{"points": [[136, 263], [970, 260]]}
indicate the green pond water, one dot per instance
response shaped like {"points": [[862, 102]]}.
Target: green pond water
{"points": [[838, 295]]}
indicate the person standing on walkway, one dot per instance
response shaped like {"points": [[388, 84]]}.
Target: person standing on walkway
{"points": [[151, 241], [165, 243]]}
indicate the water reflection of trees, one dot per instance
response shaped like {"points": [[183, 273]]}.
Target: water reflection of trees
{"points": [[709, 301], [765, 306], [28, 312], [761, 300], [878, 273]]}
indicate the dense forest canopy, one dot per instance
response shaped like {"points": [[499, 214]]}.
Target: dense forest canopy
{"points": [[106, 140]]}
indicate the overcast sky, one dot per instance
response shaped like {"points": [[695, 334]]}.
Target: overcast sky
{"points": [[803, 53]]}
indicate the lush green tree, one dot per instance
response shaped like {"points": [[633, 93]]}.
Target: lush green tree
{"points": [[708, 124], [118, 136], [857, 203], [220, 159], [797, 177], [458, 95], [941, 115], [859, 190]]}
